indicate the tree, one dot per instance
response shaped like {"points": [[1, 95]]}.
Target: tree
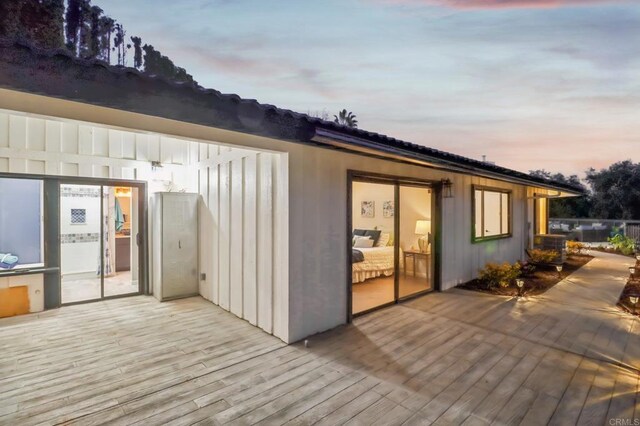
{"points": [[347, 119], [38, 21], [107, 26], [73, 17], [616, 191], [322, 115], [137, 52], [157, 64], [85, 43], [96, 38], [572, 207], [118, 43]]}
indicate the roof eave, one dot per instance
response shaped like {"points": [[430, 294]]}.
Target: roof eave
{"points": [[369, 147]]}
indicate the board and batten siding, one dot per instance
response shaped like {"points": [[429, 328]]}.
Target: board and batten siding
{"points": [[238, 189], [314, 237]]}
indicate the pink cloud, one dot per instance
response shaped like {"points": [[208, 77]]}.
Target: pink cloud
{"points": [[505, 4]]}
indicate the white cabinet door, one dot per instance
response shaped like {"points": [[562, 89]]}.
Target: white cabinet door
{"points": [[179, 245]]}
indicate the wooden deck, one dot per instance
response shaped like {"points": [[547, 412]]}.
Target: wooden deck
{"points": [[448, 358]]}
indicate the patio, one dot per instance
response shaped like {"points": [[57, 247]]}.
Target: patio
{"points": [[457, 357]]}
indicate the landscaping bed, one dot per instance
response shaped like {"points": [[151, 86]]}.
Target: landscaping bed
{"points": [[631, 289], [612, 250], [541, 280]]}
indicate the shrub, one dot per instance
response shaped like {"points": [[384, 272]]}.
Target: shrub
{"points": [[625, 245], [527, 269], [542, 257], [494, 275], [575, 247]]}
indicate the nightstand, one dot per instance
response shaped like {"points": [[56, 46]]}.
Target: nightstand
{"points": [[416, 256]]}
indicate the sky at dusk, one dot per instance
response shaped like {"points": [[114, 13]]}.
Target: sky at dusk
{"points": [[531, 84]]}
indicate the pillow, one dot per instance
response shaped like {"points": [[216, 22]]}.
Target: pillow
{"points": [[375, 235], [356, 238], [383, 240], [363, 242], [359, 232]]}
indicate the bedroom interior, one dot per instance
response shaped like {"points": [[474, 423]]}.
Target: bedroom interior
{"points": [[391, 255]]}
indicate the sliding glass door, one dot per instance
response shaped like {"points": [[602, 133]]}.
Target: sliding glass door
{"points": [[80, 247], [415, 238], [98, 244], [392, 242]]}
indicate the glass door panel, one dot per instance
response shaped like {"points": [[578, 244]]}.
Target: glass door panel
{"points": [[373, 258], [415, 239], [80, 245], [120, 216]]}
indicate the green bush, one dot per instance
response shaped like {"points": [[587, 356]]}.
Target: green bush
{"points": [[494, 275], [542, 257], [625, 245]]}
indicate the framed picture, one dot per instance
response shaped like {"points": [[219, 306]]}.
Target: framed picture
{"points": [[368, 208], [388, 209], [78, 216]]}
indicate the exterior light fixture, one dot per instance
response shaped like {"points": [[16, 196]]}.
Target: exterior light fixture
{"points": [[155, 165], [446, 188], [520, 285], [559, 269], [634, 302]]}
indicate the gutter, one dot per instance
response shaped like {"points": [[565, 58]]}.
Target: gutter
{"points": [[360, 145]]}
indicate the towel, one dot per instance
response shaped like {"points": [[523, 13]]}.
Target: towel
{"points": [[8, 260], [119, 216]]}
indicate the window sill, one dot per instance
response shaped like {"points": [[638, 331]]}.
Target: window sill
{"points": [[492, 238]]}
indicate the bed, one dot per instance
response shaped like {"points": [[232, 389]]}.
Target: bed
{"points": [[378, 261]]}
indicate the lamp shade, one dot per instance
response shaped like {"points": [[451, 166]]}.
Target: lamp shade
{"points": [[423, 227]]}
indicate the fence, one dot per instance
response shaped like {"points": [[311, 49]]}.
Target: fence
{"points": [[594, 230]]}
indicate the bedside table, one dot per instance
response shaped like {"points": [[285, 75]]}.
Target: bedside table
{"points": [[415, 256]]}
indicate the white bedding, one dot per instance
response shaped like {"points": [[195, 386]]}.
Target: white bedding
{"points": [[378, 261]]}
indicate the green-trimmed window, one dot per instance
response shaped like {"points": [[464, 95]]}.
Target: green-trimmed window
{"points": [[492, 213]]}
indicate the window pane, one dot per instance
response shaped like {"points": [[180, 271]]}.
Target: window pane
{"points": [[505, 213], [491, 213], [478, 213], [20, 222]]}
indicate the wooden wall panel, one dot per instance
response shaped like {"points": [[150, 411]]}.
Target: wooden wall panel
{"points": [[249, 246], [224, 236], [237, 227], [214, 209], [235, 262], [265, 243], [36, 134], [17, 132], [4, 130]]}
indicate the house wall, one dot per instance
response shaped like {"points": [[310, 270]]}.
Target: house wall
{"points": [[316, 234], [240, 202]]}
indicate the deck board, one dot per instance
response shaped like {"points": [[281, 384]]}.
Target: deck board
{"points": [[449, 358]]}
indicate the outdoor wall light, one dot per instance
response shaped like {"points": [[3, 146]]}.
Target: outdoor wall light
{"points": [[446, 188]]}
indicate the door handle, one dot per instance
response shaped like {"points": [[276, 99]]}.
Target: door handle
{"points": [[179, 244]]}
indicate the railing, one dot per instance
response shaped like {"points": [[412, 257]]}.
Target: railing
{"points": [[594, 230]]}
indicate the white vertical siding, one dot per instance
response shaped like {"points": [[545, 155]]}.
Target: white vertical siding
{"points": [[237, 241]]}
